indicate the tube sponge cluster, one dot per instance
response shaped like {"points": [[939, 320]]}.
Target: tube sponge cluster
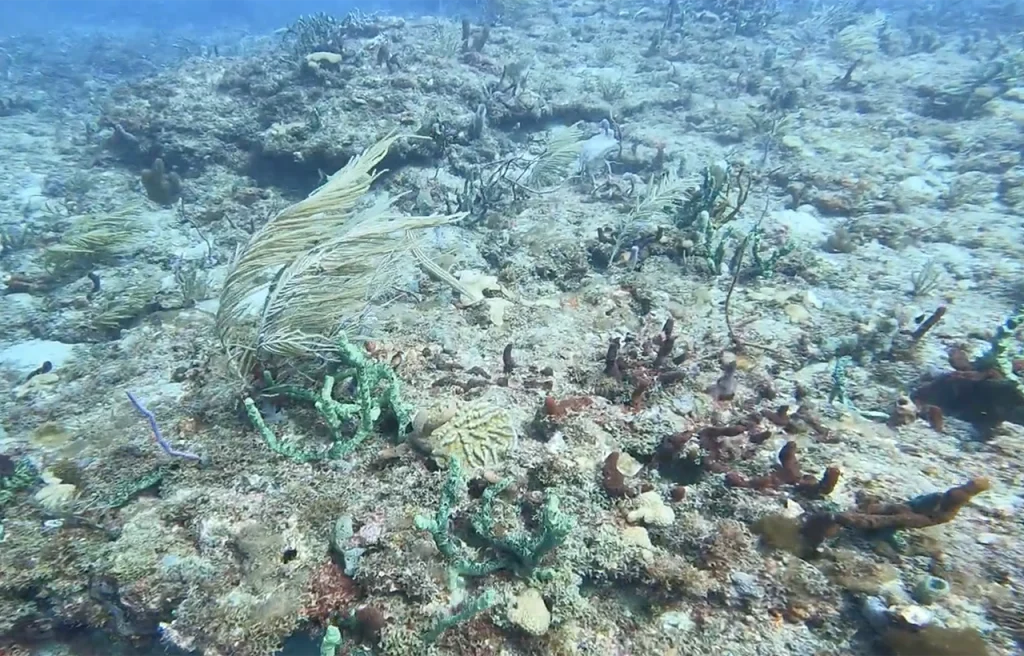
{"points": [[518, 551]]}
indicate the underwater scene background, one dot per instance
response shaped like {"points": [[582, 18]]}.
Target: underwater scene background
{"points": [[512, 327]]}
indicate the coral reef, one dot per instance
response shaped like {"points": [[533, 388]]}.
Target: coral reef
{"points": [[679, 328]]}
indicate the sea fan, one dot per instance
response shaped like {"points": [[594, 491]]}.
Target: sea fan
{"points": [[91, 239], [661, 198], [560, 154], [319, 261], [313, 296]]}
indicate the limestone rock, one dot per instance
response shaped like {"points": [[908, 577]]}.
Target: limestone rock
{"points": [[530, 613], [637, 536], [651, 509]]}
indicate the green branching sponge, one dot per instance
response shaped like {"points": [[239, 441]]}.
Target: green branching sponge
{"points": [[125, 491], [519, 552], [23, 476], [376, 389], [469, 610], [522, 551], [438, 525], [765, 267]]}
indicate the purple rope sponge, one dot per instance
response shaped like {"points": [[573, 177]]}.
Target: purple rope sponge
{"points": [[164, 444]]}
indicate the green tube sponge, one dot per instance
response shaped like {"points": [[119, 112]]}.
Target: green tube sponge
{"points": [[470, 609], [930, 589], [332, 640]]}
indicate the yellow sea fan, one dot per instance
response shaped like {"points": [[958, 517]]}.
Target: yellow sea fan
{"points": [[860, 39], [320, 262], [55, 495]]}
